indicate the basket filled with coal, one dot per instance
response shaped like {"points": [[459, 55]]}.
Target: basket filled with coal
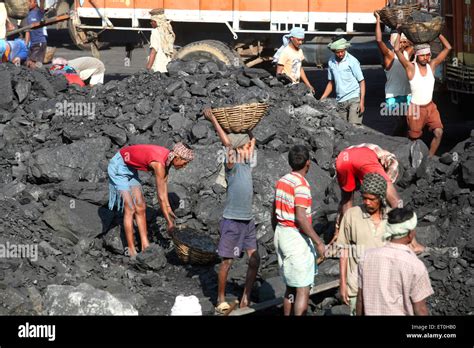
{"points": [[240, 118], [193, 247], [396, 15], [423, 27]]}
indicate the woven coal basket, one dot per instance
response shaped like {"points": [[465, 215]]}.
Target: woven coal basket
{"points": [[189, 252], [241, 118], [395, 15], [423, 32]]}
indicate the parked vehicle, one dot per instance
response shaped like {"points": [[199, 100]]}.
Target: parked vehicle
{"points": [[230, 31], [459, 72]]}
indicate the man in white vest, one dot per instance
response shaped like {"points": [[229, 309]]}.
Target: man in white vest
{"points": [[423, 111]]}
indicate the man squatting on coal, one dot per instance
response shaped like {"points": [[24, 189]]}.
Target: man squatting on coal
{"points": [[125, 187], [237, 227]]}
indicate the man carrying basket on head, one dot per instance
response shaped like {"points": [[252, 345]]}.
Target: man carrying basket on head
{"points": [[237, 227], [423, 111]]}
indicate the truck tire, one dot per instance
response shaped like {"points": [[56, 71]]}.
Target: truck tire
{"points": [[79, 36], [210, 50]]}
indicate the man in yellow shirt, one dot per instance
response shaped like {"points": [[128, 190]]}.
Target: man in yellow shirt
{"points": [[290, 58]]}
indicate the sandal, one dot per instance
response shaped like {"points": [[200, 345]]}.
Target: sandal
{"points": [[222, 308]]}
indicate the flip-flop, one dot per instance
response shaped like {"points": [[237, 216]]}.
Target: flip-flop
{"points": [[222, 308]]}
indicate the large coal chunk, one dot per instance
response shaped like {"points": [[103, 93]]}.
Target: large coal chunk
{"points": [[152, 258], [271, 288], [203, 170], [428, 235], [22, 89], [469, 251], [74, 219], [116, 134], [323, 141], [468, 169], [42, 84], [95, 193], [77, 161], [114, 240], [84, 300], [6, 92]]}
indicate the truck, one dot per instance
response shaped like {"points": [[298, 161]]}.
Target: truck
{"points": [[233, 32], [459, 70]]}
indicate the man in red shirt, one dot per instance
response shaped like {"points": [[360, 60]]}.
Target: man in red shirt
{"points": [[294, 233], [353, 163], [125, 187]]}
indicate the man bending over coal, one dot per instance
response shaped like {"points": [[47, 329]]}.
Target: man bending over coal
{"points": [[237, 227], [125, 187]]}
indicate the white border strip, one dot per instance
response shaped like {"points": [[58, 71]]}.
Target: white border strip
{"points": [[228, 16]]}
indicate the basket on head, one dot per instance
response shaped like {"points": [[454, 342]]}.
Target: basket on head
{"points": [[395, 15], [423, 32], [189, 253], [241, 118]]}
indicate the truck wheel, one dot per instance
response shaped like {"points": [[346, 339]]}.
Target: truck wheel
{"points": [[210, 50], [79, 36]]}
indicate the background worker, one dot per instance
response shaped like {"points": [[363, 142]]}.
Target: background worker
{"points": [[36, 39], [161, 42], [346, 77], [397, 87], [13, 51], [290, 58]]}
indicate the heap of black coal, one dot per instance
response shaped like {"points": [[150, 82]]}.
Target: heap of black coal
{"points": [[54, 150]]}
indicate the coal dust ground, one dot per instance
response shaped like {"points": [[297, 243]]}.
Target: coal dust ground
{"points": [[58, 240]]}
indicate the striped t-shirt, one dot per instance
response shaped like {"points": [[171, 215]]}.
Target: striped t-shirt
{"points": [[292, 191]]}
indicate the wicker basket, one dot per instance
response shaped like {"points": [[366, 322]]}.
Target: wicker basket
{"points": [[192, 255], [423, 32], [395, 15], [241, 118]]}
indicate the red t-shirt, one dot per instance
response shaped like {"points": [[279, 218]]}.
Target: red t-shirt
{"points": [[353, 163], [140, 156], [74, 79]]}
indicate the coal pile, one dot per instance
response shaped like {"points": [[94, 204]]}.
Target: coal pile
{"points": [[54, 149]]}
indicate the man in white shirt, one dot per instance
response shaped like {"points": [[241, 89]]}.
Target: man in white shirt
{"points": [[161, 42]]}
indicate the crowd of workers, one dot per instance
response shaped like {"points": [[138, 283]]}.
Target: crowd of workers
{"points": [[380, 273]]}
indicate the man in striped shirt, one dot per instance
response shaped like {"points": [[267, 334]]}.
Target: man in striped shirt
{"points": [[294, 233]]}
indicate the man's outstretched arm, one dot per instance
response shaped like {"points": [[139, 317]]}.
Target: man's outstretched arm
{"points": [[444, 53]]}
